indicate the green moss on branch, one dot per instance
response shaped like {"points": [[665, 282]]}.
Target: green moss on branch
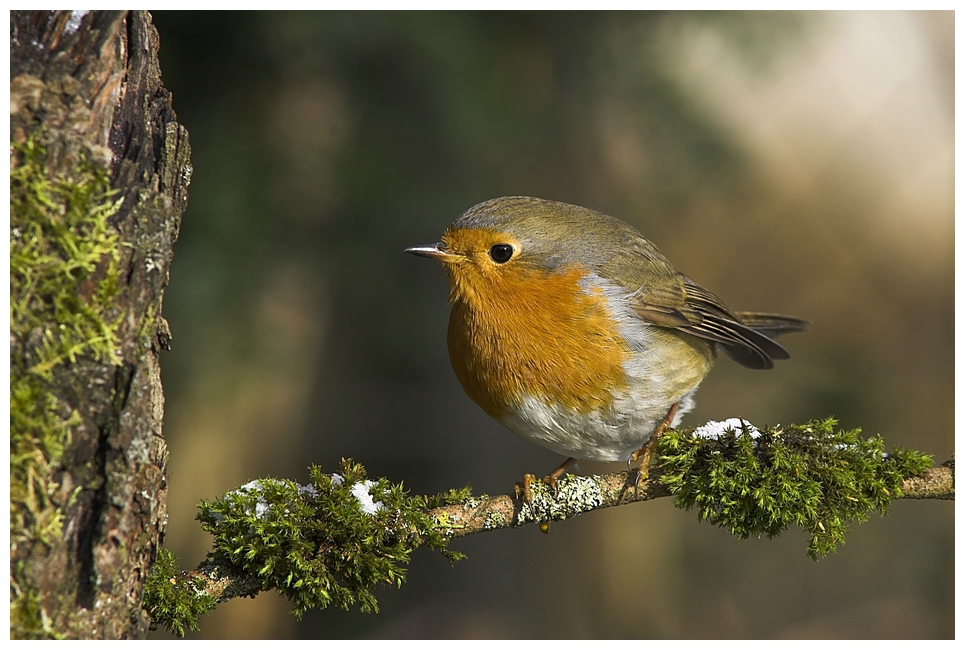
{"points": [[814, 476], [327, 543], [175, 601]]}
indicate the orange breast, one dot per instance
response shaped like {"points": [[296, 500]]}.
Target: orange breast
{"points": [[532, 333]]}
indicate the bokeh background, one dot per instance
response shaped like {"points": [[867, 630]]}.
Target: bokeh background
{"points": [[791, 162]]}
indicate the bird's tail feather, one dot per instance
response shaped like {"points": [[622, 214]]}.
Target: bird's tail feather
{"points": [[772, 324]]}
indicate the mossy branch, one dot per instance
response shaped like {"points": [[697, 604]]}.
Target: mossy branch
{"points": [[332, 541]]}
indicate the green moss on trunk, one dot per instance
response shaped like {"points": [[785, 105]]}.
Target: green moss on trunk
{"points": [[63, 278]]}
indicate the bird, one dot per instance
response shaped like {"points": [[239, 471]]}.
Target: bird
{"points": [[572, 330]]}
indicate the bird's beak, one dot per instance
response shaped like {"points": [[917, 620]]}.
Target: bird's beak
{"points": [[437, 251]]}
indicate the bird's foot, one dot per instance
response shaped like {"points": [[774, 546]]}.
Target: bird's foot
{"points": [[524, 489], [644, 454], [643, 469]]}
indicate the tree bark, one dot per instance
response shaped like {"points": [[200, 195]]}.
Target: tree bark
{"points": [[88, 85]]}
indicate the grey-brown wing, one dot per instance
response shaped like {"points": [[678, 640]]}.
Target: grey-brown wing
{"points": [[745, 345], [690, 308], [665, 297]]}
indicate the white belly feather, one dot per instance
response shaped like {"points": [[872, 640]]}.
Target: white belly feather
{"points": [[606, 435]]}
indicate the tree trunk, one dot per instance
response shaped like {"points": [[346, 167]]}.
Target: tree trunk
{"points": [[86, 89]]}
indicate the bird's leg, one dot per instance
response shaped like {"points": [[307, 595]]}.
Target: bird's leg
{"points": [[552, 479], [644, 453]]}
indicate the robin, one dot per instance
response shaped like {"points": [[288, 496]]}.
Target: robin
{"points": [[572, 330]]}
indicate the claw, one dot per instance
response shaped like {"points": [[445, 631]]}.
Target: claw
{"points": [[523, 489], [642, 473]]}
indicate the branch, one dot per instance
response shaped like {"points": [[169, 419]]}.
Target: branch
{"points": [[933, 483], [579, 494], [331, 541], [575, 495]]}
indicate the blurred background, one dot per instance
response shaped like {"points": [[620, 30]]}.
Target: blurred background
{"points": [[799, 163]]}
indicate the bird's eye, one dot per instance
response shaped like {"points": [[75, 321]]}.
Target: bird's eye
{"points": [[501, 253]]}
